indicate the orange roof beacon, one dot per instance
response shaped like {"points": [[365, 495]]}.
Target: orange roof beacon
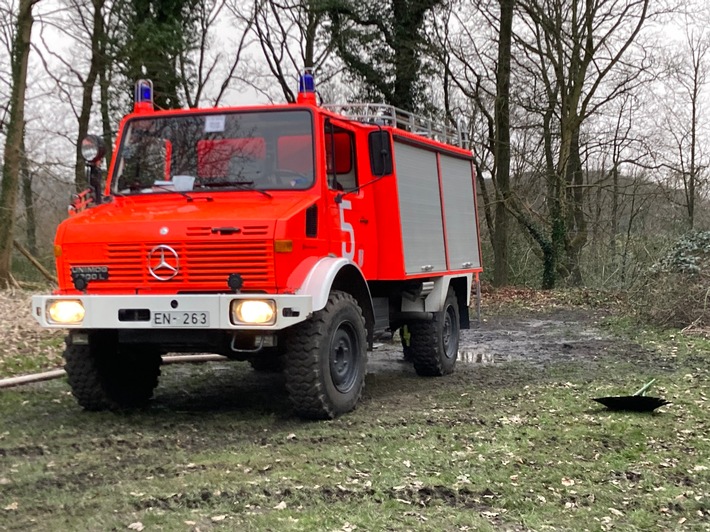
{"points": [[285, 235]]}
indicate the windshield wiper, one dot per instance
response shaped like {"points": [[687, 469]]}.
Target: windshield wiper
{"points": [[159, 184], [243, 185], [170, 184]]}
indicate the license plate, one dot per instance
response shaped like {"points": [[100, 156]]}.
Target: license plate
{"points": [[181, 318]]}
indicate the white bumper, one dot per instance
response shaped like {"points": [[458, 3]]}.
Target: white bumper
{"points": [[120, 311]]}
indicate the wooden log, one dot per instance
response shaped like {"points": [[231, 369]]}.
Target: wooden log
{"points": [[57, 373], [34, 377], [22, 249]]}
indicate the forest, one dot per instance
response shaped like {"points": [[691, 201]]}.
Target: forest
{"points": [[587, 117]]}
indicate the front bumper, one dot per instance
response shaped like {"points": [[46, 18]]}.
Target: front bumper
{"points": [[148, 312]]}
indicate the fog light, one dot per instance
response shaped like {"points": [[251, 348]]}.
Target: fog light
{"points": [[65, 311], [258, 312]]}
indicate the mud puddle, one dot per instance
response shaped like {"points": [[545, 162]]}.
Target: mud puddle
{"points": [[563, 335]]}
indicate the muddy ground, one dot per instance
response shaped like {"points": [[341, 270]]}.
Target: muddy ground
{"points": [[534, 337], [536, 333], [508, 341]]}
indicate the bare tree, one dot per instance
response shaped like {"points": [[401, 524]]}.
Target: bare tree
{"points": [[9, 187], [576, 51], [468, 58], [95, 28], [502, 142], [6, 38], [381, 44], [207, 71], [29, 206], [82, 23], [683, 96], [290, 36]]}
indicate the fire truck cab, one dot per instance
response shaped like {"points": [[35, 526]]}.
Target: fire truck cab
{"points": [[285, 235]]}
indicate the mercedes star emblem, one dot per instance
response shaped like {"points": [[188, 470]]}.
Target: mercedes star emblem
{"points": [[163, 262]]}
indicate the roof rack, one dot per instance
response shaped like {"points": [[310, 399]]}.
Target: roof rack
{"points": [[388, 115]]}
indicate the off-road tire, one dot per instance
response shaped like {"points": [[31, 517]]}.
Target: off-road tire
{"points": [[104, 375], [327, 359], [435, 344]]}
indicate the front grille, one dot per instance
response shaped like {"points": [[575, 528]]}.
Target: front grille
{"points": [[247, 230], [202, 265]]}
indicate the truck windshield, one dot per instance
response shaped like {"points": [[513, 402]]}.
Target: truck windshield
{"points": [[216, 151]]}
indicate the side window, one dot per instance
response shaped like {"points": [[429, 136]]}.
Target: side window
{"points": [[340, 158]]}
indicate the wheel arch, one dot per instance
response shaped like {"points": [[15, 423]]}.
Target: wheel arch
{"points": [[462, 290], [338, 273], [461, 285]]}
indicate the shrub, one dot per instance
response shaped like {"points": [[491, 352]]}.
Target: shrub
{"points": [[675, 291]]}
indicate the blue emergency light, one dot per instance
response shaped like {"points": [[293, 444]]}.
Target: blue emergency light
{"points": [[144, 91], [306, 83]]}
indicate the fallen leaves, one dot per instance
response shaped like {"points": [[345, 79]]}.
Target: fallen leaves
{"points": [[26, 347]]}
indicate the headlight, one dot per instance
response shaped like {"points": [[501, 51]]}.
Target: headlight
{"points": [[65, 311], [92, 149], [258, 312]]}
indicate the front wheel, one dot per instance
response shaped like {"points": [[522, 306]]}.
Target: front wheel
{"points": [[327, 358], [103, 374], [435, 344]]}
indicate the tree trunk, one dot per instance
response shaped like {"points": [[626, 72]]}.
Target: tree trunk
{"points": [[693, 144], [615, 193], [551, 247], [577, 232], [407, 21], [97, 37], [30, 219], [502, 145], [106, 124], [9, 188]]}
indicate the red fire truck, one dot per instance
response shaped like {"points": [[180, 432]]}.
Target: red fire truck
{"points": [[284, 235]]}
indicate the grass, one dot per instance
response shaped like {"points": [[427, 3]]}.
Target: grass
{"points": [[492, 447]]}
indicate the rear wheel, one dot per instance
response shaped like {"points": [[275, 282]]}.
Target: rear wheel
{"points": [[325, 367], [104, 374], [435, 344]]}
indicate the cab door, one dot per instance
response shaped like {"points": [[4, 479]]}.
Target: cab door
{"points": [[350, 207]]}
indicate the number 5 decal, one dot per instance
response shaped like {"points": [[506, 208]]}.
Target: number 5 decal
{"points": [[346, 227]]}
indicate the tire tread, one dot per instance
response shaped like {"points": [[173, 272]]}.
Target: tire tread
{"points": [[304, 382], [103, 375]]}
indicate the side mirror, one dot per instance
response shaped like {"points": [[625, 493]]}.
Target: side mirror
{"points": [[380, 153]]}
